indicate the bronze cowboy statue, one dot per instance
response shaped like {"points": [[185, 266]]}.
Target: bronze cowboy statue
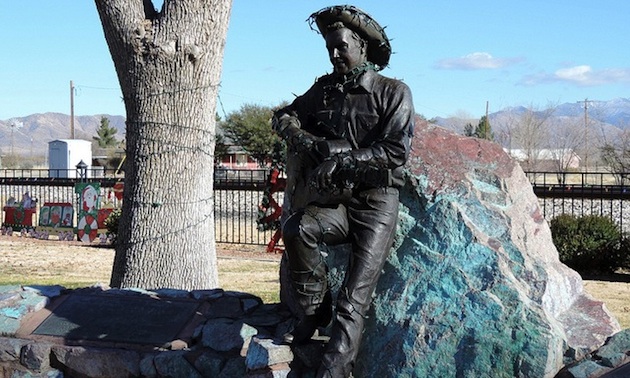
{"points": [[348, 138]]}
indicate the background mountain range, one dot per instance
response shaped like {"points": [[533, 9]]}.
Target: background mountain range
{"points": [[29, 136], [615, 114]]}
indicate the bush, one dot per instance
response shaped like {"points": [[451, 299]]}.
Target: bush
{"points": [[590, 244], [111, 223]]}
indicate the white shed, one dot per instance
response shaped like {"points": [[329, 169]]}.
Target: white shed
{"points": [[65, 154]]}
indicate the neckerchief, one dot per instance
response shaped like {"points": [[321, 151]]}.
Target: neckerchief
{"points": [[341, 82], [350, 79]]}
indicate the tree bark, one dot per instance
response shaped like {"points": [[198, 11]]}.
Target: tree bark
{"points": [[168, 65]]}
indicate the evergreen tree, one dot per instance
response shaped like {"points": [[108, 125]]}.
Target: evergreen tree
{"points": [[106, 134], [483, 129]]}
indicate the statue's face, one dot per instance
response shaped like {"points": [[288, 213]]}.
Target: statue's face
{"points": [[345, 50]]}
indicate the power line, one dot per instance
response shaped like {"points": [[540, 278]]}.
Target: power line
{"points": [[98, 88], [71, 110]]}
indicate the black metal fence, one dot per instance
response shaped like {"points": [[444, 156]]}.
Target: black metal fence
{"points": [[583, 193], [92, 173], [238, 195]]}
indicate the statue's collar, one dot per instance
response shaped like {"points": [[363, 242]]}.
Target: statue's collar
{"points": [[360, 76], [356, 73]]}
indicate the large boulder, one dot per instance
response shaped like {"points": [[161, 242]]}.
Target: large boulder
{"points": [[474, 286]]}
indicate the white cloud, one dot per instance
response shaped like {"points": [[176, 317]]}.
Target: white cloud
{"points": [[582, 75], [476, 61], [579, 74]]}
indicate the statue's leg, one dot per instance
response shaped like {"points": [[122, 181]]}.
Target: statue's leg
{"points": [[373, 216], [304, 234]]}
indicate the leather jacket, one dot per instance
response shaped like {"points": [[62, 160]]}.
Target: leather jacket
{"points": [[374, 114]]}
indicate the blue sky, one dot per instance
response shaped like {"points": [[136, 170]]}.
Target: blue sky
{"points": [[455, 55]]}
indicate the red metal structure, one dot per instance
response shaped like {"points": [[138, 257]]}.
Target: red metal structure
{"points": [[270, 210]]}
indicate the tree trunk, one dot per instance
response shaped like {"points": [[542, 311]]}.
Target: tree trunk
{"points": [[169, 66]]}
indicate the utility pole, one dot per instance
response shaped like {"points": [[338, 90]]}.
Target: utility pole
{"points": [[12, 140], [586, 145], [486, 128], [71, 110]]}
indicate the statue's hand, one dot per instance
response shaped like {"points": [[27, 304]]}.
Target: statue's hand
{"points": [[322, 178], [288, 128], [303, 141]]}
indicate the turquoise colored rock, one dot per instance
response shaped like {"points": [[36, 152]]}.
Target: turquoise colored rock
{"points": [[588, 369], [11, 312], [208, 365], [8, 326], [227, 334], [617, 349], [175, 364], [49, 291], [267, 352], [474, 286]]}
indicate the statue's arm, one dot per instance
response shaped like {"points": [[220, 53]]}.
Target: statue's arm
{"points": [[286, 123], [388, 151]]}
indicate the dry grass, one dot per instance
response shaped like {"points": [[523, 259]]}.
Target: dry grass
{"points": [[251, 276], [72, 265], [616, 296], [245, 269]]}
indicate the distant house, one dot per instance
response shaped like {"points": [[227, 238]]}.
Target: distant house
{"points": [[547, 159], [237, 158], [111, 159]]}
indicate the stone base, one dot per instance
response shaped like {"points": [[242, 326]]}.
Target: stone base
{"points": [[231, 335], [234, 335]]}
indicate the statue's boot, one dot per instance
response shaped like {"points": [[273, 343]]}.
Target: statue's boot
{"points": [[304, 236], [343, 347], [317, 314]]}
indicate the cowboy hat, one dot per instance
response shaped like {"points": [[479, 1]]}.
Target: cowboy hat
{"points": [[378, 50]]}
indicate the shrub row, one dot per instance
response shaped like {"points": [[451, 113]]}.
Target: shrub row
{"points": [[590, 244]]}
